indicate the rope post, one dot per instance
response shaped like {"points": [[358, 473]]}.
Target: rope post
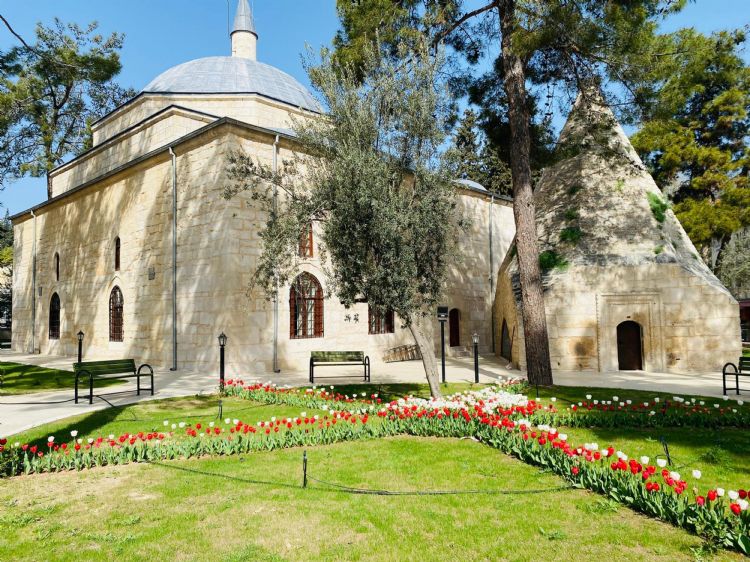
{"points": [[304, 469], [666, 450], [221, 408]]}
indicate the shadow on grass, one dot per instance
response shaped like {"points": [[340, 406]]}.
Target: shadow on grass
{"points": [[17, 378]]}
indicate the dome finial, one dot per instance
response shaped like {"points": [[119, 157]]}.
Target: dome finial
{"points": [[243, 34]]}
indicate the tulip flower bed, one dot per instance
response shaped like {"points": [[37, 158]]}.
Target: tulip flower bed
{"points": [[493, 416], [269, 393]]}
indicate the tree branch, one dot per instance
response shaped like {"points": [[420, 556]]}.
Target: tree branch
{"points": [[460, 21]]}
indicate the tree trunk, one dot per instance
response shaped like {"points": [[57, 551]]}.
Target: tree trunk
{"points": [[49, 186], [532, 296], [420, 329]]}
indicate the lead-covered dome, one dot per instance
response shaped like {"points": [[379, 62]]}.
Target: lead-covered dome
{"points": [[232, 75]]}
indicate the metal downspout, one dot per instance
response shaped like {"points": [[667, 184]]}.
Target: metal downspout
{"points": [[492, 273], [174, 259], [33, 289], [276, 288]]}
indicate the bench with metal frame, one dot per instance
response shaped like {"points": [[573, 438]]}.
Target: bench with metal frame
{"points": [[339, 359], [742, 369], [114, 369]]}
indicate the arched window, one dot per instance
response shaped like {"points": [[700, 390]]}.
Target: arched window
{"points": [[306, 242], [57, 266], [117, 254], [54, 317], [115, 314], [305, 307]]}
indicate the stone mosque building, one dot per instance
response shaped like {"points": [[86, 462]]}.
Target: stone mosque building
{"points": [[137, 248]]}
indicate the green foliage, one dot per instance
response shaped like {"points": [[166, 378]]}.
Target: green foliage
{"points": [[571, 234], [550, 259], [472, 157], [575, 188], [695, 130], [658, 206], [734, 264], [51, 92], [571, 214], [370, 175], [658, 250]]}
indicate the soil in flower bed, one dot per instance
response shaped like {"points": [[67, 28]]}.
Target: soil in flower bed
{"points": [[722, 456], [217, 509], [21, 379]]}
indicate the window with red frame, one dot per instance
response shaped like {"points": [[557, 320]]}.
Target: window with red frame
{"points": [[306, 242], [116, 306], [380, 323], [305, 308]]}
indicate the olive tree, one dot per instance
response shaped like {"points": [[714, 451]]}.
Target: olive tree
{"points": [[370, 172]]}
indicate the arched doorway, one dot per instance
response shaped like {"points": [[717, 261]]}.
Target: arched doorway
{"points": [[505, 343], [454, 319], [629, 346]]}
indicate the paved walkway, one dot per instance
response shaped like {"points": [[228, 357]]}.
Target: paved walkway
{"points": [[21, 412]]}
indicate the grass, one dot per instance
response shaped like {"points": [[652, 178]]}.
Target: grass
{"points": [[150, 416], [253, 508], [722, 456], [22, 379]]}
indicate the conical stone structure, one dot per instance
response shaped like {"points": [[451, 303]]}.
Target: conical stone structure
{"points": [[625, 288]]}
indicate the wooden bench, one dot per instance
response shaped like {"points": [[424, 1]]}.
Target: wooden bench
{"points": [[116, 369], [742, 369], [339, 358]]}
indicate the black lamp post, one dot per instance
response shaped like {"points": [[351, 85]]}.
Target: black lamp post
{"points": [[475, 339], [222, 343], [442, 316], [80, 346]]}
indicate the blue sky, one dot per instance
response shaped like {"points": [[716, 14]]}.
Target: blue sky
{"points": [[163, 33]]}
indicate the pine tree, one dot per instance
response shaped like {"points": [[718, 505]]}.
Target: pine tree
{"points": [[695, 133]]}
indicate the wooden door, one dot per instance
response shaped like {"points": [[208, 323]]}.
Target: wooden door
{"points": [[629, 346]]}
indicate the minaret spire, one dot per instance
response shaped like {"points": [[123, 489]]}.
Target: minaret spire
{"points": [[243, 34]]}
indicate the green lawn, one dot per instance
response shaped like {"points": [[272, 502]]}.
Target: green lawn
{"points": [[151, 415], [253, 508], [22, 379]]}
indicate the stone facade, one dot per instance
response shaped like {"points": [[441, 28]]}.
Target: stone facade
{"points": [[620, 265], [217, 245]]}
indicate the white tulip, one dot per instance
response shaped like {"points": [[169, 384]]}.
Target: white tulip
{"points": [[235, 421], [227, 420], [166, 423], [563, 437], [644, 459], [174, 426], [740, 402], [661, 463], [615, 398], [674, 475], [697, 474], [211, 424], [725, 397], [743, 504], [733, 495], [588, 397], [79, 441], [720, 492], [656, 400], [111, 436], [629, 402], [182, 425], [50, 439], [73, 433], [553, 399]]}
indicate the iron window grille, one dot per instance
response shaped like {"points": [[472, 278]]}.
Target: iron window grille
{"points": [[116, 305], [305, 308]]}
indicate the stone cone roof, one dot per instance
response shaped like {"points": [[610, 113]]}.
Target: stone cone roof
{"points": [[599, 185]]}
